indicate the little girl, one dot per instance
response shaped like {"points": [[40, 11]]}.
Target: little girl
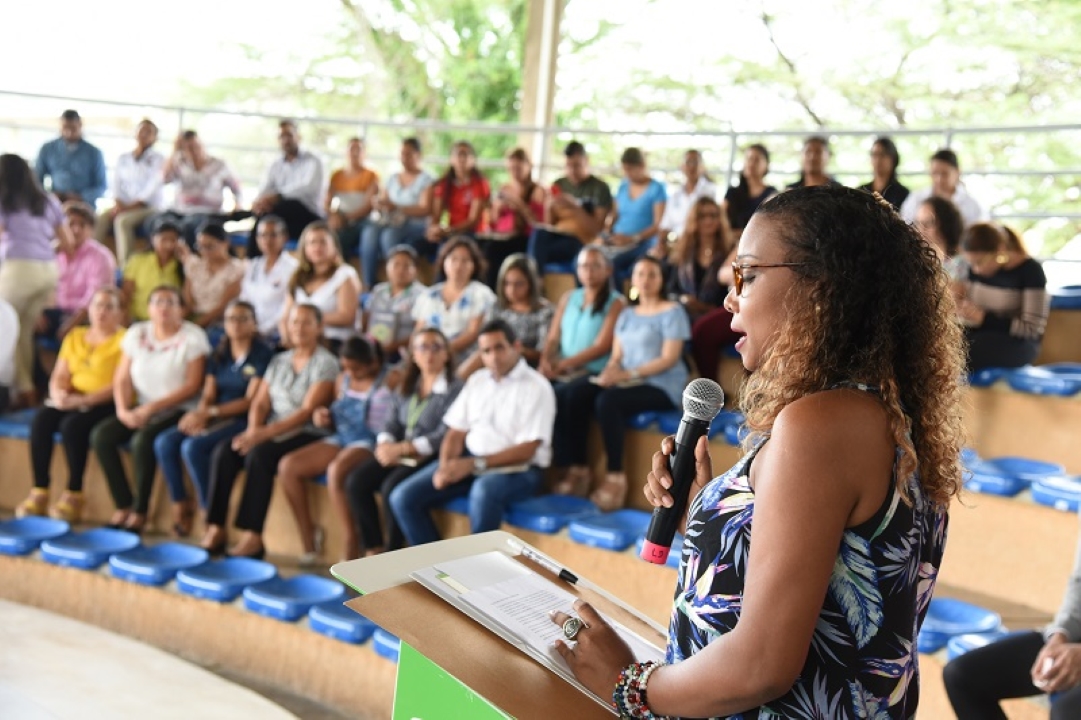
{"points": [[359, 412]]}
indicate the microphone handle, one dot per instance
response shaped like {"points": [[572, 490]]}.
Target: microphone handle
{"points": [[665, 520]]}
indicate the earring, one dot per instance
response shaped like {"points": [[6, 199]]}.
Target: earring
{"points": [[1001, 258]]}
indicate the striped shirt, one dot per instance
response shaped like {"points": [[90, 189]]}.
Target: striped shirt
{"points": [[1015, 300]]}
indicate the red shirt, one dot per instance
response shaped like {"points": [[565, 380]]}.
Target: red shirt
{"points": [[461, 199]]}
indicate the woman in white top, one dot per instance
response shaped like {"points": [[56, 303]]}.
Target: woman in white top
{"points": [[159, 377], [211, 278], [325, 280], [201, 183], [404, 206], [266, 281], [696, 183]]}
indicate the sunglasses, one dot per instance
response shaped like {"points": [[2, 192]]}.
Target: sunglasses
{"points": [[738, 269]]}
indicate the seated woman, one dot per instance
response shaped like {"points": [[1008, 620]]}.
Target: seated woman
{"points": [[519, 302], [410, 438], [351, 197], [362, 406], [80, 396], [644, 373], [201, 181], [325, 280], [146, 271], [462, 194], [404, 208], [517, 206], [940, 223], [1003, 303], [234, 372], [742, 200], [297, 382], [266, 280], [459, 304], [696, 184], [636, 214], [388, 310], [212, 279], [159, 375]]}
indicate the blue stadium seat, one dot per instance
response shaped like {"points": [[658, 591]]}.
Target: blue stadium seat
{"points": [[958, 645], [223, 580], [16, 425], [947, 617], [50, 344], [386, 645], [458, 505], [291, 245], [643, 420], [565, 268], [335, 620], [290, 599], [1007, 476], [156, 565], [549, 513], [1061, 379], [89, 549], [119, 277], [23, 535], [1061, 493], [320, 480], [1029, 471], [611, 531], [987, 377], [673, 556], [969, 457], [239, 239], [1066, 298]]}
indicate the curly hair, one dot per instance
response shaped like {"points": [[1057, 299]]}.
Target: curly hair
{"points": [[877, 310]]}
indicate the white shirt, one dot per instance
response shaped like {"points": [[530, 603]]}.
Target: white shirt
{"points": [[139, 179], [325, 298], [9, 336], [201, 191], [159, 367], [680, 203], [298, 179], [498, 414], [971, 212], [267, 289]]}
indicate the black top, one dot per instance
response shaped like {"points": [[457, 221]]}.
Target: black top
{"points": [[697, 281], [895, 193], [740, 208]]}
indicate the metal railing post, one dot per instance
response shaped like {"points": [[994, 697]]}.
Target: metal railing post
{"points": [[729, 173]]}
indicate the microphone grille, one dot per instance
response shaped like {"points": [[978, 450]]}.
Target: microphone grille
{"points": [[703, 399]]}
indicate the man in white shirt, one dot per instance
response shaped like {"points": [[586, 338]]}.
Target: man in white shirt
{"points": [[945, 183], [695, 184], [137, 192], [266, 279], [293, 188], [9, 336], [499, 436]]}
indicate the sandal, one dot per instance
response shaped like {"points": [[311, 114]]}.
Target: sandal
{"points": [[575, 482], [69, 507], [183, 518], [135, 523], [612, 492], [310, 558], [37, 503]]}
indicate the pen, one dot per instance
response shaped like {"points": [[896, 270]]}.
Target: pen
{"points": [[548, 564]]}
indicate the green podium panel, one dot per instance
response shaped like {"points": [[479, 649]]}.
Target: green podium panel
{"points": [[425, 691]]}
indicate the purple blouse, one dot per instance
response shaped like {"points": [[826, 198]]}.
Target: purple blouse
{"points": [[30, 237]]}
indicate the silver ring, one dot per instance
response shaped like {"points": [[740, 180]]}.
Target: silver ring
{"points": [[571, 627]]}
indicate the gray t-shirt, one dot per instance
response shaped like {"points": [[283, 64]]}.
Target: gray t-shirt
{"points": [[288, 388]]}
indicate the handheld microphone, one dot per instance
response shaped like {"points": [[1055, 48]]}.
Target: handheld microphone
{"points": [[702, 400]]}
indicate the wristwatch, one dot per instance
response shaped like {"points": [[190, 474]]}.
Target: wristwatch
{"points": [[479, 465], [214, 411]]}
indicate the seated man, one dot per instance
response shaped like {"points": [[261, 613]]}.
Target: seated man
{"points": [[293, 188], [577, 207], [945, 183], [74, 167], [85, 267], [9, 335], [137, 192], [201, 182], [499, 437]]}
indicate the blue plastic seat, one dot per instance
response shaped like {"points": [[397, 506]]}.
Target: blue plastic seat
{"points": [[549, 513], [969, 457], [1060, 379], [610, 531], [386, 645], [947, 617], [458, 505], [290, 599], [239, 239], [1061, 493], [50, 344], [23, 535], [223, 580], [564, 268], [156, 565], [16, 425], [1066, 298], [643, 420], [673, 556], [335, 620], [89, 549], [958, 645], [987, 376], [1024, 469], [291, 245], [984, 478]]}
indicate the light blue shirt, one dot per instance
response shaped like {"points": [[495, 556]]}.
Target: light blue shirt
{"points": [[636, 215], [579, 327], [407, 196], [642, 338], [73, 168]]}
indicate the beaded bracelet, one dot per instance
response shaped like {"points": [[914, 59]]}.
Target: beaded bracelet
{"points": [[629, 696]]}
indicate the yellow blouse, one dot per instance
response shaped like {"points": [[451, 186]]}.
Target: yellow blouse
{"points": [[91, 366]]}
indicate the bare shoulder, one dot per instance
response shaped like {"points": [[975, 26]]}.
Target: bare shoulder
{"points": [[846, 416]]}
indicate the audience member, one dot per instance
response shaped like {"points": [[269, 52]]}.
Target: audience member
{"points": [[698, 258], [499, 435], [941, 225], [462, 194], [74, 168], [404, 206], [213, 278], [517, 207], [159, 375], [813, 164], [578, 204], [325, 280], [644, 373], [636, 215], [80, 396], [409, 439], [696, 184], [362, 406], [741, 201], [9, 335], [85, 267], [388, 309], [145, 271], [293, 188], [459, 304], [884, 162], [280, 420], [201, 183], [234, 371], [137, 192], [29, 219], [266, 280], [1003, 304], [945, 183], [351, 198]]}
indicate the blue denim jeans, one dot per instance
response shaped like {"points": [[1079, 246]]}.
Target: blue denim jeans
{"points": [[377, 239], [172, 446], [489, 495]]}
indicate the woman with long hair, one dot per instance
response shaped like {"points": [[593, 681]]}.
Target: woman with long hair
{"points": [[742, 200], [884, 162], [462, 194], [941, 224], [325, 280], [808, 567], [516, 208], [212, 278]]}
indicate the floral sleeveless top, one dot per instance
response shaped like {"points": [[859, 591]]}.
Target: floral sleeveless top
{"points": [[862, 662]]}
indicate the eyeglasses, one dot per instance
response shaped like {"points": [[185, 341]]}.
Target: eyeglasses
{"points": [[738, 270], [429, 348]]}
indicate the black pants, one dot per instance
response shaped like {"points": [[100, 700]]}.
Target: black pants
{"points": [[74, 427], [296, 216], [496, 251], [987, 349], [548, 246], [361, 485], [260, 466], [980, 678], [106, 439]]}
